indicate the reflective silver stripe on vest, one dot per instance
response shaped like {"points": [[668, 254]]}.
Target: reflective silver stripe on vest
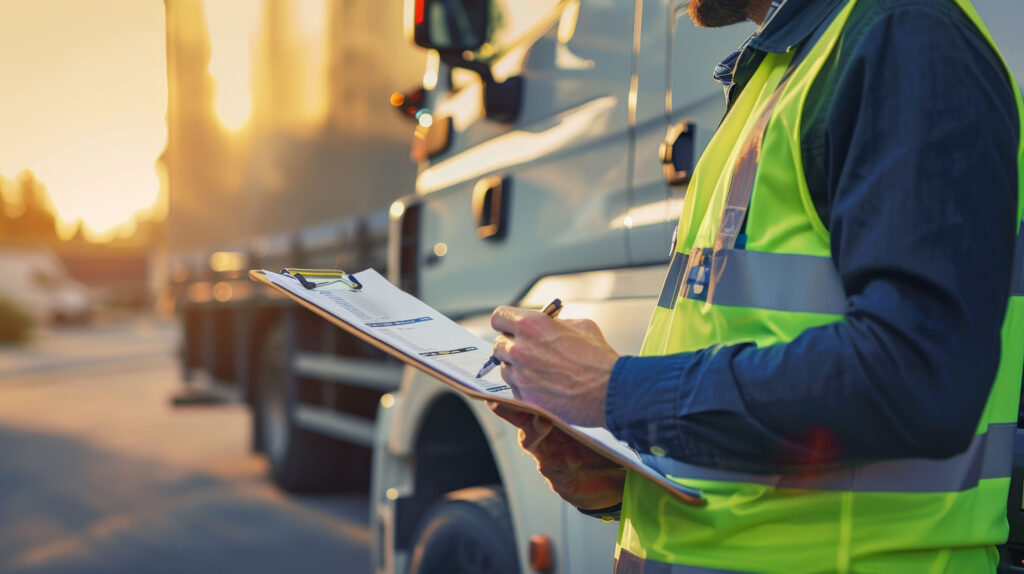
{"points": [[629, 563], [780, 282], [1017, 279], [990, 455], [673, 280]]}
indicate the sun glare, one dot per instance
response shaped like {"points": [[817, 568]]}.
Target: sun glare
{"points": [[234, 28], [310, 18], [88, 114], [233, 25], [104, 206]]}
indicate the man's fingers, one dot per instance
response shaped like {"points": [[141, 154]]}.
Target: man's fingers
{"points": [[594, 491], [586, 325], [514, 321], [506, 319], [534, 433], [513, 416], [503, 348], [542, 426]]}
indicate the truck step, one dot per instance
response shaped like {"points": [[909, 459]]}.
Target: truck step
{"points": [[189, 397], [372, 374], [346, 427]]}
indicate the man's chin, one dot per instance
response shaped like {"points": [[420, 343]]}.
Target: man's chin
{"points": [[718, 13]]}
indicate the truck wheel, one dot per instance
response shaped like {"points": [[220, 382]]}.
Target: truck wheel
{"points": [[300, 461], [467, 532]]}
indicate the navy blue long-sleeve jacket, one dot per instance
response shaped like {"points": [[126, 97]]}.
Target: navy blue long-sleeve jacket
{"points": [[909, 140]]}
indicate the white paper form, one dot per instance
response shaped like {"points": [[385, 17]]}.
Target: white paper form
{"points": [[427, 337], [385, 312]]}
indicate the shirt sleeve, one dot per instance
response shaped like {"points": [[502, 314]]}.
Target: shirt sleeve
{"points": [[922, 181]]}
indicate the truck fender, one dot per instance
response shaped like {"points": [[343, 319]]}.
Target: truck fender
{"points": [[534, 508]]}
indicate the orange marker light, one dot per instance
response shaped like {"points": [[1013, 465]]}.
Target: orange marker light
{"points": [[542, 553], [397, 99]]}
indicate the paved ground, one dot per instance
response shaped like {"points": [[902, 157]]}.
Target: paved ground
{"points": [[99, 474]]}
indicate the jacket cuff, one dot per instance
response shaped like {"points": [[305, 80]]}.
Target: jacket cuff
{"points": [[641, 404], [610, 514]]}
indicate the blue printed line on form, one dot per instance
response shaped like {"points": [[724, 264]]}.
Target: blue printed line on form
{"points": [[450, 352], [396, 323]]}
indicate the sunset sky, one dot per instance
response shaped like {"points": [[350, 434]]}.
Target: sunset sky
{"points": [[83, 103]]}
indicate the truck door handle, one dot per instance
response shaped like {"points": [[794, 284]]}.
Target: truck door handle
{"points": [[677, 153], [490, 207]]}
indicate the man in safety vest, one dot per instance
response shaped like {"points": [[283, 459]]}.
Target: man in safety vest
{"points": [[835, 359]]}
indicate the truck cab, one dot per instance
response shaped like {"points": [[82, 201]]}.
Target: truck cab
{"points": [[553, 159], [555, 140]]}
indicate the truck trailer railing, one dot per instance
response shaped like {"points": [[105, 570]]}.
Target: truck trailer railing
{"points": [[313, 390]]}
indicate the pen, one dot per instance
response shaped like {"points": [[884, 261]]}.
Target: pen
{"points": [[552, 310]]}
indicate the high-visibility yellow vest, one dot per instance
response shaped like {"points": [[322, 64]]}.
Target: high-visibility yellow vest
{"points": [[908, 515]]}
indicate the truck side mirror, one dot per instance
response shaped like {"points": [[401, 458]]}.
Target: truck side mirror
{"points": [[456, 29], [452, 26]]}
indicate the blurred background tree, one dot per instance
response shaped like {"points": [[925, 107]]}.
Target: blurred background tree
{"points": [[5, 219], [36, 221], [118, 267]]}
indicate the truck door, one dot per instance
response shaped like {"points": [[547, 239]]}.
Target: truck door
{"points": [[516, 198], [678, 107]]}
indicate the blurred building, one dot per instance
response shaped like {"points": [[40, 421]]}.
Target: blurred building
{"points": [[321, 130]]}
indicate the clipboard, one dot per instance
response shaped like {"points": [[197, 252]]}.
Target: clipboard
{"points": [[304, 290]]}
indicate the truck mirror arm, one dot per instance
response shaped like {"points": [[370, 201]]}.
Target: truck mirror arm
{"points": [[501, 99]]}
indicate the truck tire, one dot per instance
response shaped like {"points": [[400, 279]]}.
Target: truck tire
{"points": [[300, 460], [468, 531]]}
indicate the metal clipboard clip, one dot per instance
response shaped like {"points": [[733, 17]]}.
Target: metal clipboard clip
{"points": [[326, 276]]}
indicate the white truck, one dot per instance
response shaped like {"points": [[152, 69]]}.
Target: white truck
{"points": [[556, 138], [39, 282]]}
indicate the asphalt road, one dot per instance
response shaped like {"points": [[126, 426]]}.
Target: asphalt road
{"points": [[98, 473]]}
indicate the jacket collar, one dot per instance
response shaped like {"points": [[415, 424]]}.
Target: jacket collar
{"points": [[789, 27], [791, 24]]}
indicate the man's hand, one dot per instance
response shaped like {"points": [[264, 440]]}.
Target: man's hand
{"points": [[560, 365], [582, 477]]}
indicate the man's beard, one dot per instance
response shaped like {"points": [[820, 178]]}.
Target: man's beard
{"points": [[718, 13]]}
